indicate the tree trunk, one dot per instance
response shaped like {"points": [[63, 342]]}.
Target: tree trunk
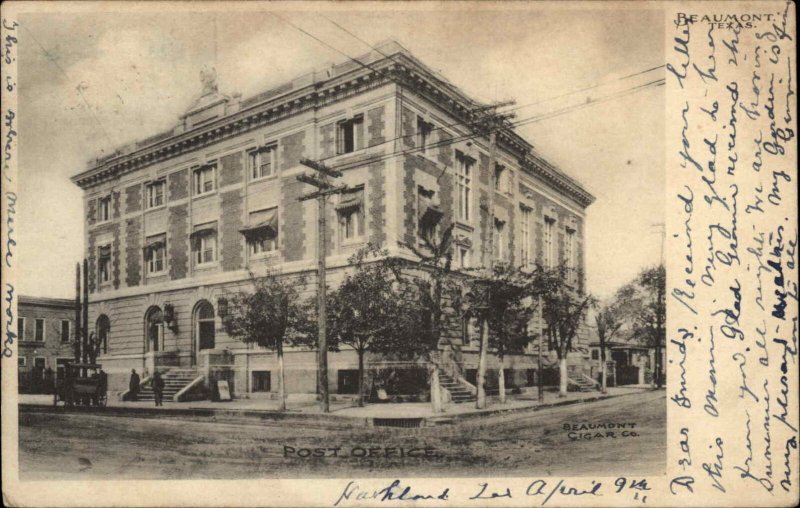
{"points": [[603, 369], [502, 381], [480, 402], [360, 378], [436, 391], [281, 379], [562, 371]]}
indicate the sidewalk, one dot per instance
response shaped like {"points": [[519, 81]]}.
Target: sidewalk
{"points": [[346, 410]]}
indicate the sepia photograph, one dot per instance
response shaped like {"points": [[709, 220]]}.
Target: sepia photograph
{"points": [[295, 244]]}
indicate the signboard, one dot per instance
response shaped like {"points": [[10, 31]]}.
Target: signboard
{"points": [[224, 390]]}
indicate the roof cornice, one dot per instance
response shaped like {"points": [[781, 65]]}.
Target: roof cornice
{"points": [[398, 67]]}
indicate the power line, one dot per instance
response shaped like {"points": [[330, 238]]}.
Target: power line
{"points": [[628, 76], [524, 121]]}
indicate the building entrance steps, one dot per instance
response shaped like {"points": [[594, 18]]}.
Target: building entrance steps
{"points": [[458, 392], [174, 381], [583, 384]]}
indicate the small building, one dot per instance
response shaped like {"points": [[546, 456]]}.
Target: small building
{"points": [[45, 334]]}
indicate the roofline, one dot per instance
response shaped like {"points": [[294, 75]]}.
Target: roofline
{"points": [[45, 301], [389, 63]]}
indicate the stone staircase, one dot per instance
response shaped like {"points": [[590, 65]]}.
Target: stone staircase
{"points": [[583, 384], [174, 380], [458, 392]]}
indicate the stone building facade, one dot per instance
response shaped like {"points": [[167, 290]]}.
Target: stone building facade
{"points": [[45, 333], [177, 220]]}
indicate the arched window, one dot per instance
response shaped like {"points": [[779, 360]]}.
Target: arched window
{"points": [[154, 329], [204, 325], [103, 328]]}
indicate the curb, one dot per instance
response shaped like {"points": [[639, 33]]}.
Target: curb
{"points": [[431, 420], [327, 420]]}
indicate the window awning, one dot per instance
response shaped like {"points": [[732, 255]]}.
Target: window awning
{"points": [[264, 223], [104, 252], [209, 228], [432, 214], [155, 241], [348, 203]]}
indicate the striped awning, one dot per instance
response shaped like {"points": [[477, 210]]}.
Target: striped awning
{"points": [[155, 241], [262, 223], [208, 228], [348, 203]]}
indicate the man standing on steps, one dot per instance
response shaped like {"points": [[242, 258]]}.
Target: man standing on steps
{"points": [[158, 388], [133, 386]]}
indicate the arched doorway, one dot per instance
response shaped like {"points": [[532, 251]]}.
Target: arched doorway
{"points": [[154, 330], [102, 329], [204, 326]]}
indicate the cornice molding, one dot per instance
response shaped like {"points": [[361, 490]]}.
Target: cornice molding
{"points": [[399, 68]]}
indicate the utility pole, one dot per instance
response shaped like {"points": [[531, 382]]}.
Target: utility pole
{"points": [[85, 304], [491, 120], [659, 297], [78, 312], [540, 373], [324, 189]]}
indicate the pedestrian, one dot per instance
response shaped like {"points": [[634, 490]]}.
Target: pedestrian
{"points": [[158, 388], [133, 387]]}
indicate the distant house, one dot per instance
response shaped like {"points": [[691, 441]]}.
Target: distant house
{"points": [[45, 331]]}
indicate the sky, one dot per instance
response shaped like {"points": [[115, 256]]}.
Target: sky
{"points": [[91, 82]]}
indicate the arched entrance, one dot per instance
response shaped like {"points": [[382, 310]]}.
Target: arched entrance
{"points": [[204, 327], [153, 330], [102, 329]]}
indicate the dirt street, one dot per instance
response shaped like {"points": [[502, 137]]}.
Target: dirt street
{"points": [[623, 435]]}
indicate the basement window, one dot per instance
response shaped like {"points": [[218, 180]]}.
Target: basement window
{"points": [[262, 381]]}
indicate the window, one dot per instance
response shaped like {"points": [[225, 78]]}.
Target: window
{"points": [[21, 328], [40, 363], [569, 255], [104, 209], [464, 185], [424, 131], [351, 216], [526, 246], [548, 242], [430, 215], [104, 263], [155, 194], [22, 361], [469, 330], [204, 243], [263, 162], [156, 253], [463, 258], [103, 328], [595, 354], [204, 325], [262, 381], [499, 239], [347, 381], [262, 231], [65, 329], [502, 178], [154, 330], [204, 179], [38, 330], [348, 135]]}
